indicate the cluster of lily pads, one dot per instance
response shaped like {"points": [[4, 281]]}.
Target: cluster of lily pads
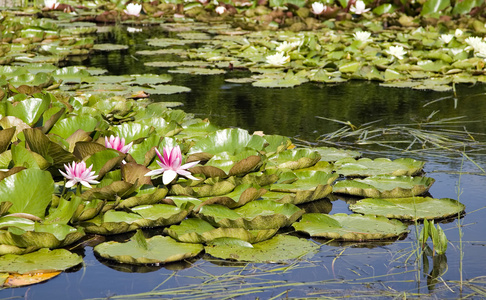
{"points": [[73, 166], [80, 156]]}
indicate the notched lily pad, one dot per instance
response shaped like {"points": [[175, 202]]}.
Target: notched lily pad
{"points": [[261, 214], [354, 227], [280, 248], [379, 166], [385, 186], [155, 250], [44, 260], [295, 159], [195, 230], [413, 208]]}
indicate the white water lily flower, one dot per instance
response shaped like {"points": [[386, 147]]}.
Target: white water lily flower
{"points": [[362, 36], [358, 8], [51, 4], [396, 51], [458, 32], [133, 29], [475, 43], [278, 59], [133, 9], [446, 38], [286, 46], [318, 8], [220, 10]]}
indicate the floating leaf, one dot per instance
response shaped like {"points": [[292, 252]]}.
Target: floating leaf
{"points": [[195, 230], [413, 208], [159, 249], [261, 214], [354, 227], [44, 260], [385, 186], [33, 200], [379, 166], [279, 249]]}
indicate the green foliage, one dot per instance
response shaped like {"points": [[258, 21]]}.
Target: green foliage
{"points": [[436, 234]]}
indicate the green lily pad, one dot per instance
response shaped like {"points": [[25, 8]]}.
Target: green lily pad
{"points": [[109, 47], [279, 249], [261, 214], [241, 195], [385, 186], [44, 260], [413, 208], [332, 154], [353, 227], [41, 236], [165, 89], [310, 186], [232, 141], [198, 71], [295, 159], [195, 230], [151, 79], [158, 249], [66, 127], [114, 222], [33, 200], [379, 166]]}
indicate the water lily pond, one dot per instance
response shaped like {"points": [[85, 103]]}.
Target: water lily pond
{"points": [[186, 152]]}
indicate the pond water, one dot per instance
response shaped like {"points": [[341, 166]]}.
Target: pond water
{"points": [[379, 269]]}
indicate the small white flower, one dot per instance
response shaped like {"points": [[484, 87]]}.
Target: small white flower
{"points": [[133, 29], [446, 38], [362, 36], [458, 32], [133, 9], [396, 51], [278, 59], [359, 7], [475, 43], [286, 46], [318, 8], [51, 4], [220, 10]]}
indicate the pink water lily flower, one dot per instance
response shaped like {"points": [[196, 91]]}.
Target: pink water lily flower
{"points": [[170, 165], [77, 173], [117, 143]]}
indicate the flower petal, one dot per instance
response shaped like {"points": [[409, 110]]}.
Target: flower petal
{"points": [[168, 176]]}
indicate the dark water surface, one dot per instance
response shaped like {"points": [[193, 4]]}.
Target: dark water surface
{"points": [[339, 269]]}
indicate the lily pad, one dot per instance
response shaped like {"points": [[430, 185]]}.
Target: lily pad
{"points": [[332, 154], [198, 71], [158, 249], [114, 222], [295, 159], [353, 227], [261, 214], [241, 195], [232, 141], [279, 249], [413, 208], [44, 260], [33, 200], [379, 166], [195, 230], [385, 186]]}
